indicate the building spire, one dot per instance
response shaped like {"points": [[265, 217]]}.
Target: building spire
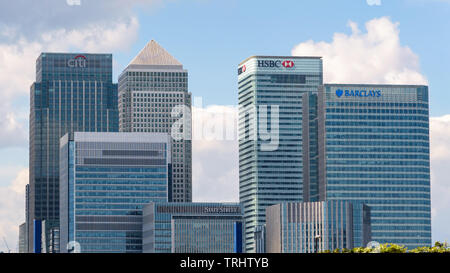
{"points": [[154, 54]]}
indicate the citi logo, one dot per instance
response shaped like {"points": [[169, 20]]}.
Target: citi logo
{"points": [[78, 61], [288, 64]]}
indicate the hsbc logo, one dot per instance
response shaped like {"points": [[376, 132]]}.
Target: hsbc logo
{"points": [[288, 64], [78, 61], [241, 69], [278, 63]]}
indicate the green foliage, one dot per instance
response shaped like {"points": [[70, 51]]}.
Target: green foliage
{"points": [[361, 250], [393, 248], [437, 248]]}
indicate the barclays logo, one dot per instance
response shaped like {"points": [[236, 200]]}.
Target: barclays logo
{"points": [[358, 93]]}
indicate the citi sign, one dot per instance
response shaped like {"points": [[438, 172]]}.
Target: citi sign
{"points": [[270, 63], [358, 93], [78, 61]]}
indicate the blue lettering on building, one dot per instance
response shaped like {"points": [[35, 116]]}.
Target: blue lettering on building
{"points": [[268, 63], [358, 93]]}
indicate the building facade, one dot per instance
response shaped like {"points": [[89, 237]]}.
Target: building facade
{"points": [[192, 228], [311, 227], [72, 92], [106, 179], [23, 244], [28, 248], [49, 237], [154, 97], [275, 93], [374, 148], [260, 239]]}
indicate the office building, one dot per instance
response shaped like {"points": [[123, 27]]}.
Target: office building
{"points": [[154, 97], [106, 179], [311, 227], [260, 239], [192, 228], [275, 93], [374, 148], [27, 248], [23, 245], [49, 237], [72, 92]]}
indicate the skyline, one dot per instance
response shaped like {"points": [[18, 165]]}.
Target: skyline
{"points": [[218, 86]]}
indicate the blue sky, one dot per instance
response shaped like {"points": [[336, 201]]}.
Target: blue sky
{"points": [[210, 38]]}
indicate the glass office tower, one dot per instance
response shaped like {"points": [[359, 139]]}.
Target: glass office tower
{"points": [[275, 93], [374, 147], [72, 92], [192, 228], [154, 97], [312, 227], [106, 179]]}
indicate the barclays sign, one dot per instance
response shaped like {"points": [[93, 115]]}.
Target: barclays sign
{"points": [[358, 93]]}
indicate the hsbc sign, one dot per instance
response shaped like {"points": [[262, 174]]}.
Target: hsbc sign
{"points": [[270, 64], [277, 63], [78, 61]]}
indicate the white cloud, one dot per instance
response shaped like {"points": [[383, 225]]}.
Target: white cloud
{"points": [[440, 128], [375, 56], [94, 38], [215, 164], [12, 209], [17, 60], [373, 2], [440, 184], [20, 181], [31, 18], [14, 128], [17, 63], [73, 2]]}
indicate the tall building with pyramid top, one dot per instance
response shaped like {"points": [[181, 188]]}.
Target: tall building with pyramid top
{"points": [[154, 97]]}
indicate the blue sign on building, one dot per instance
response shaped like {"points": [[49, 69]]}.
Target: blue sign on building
{"points": [[37, 232], [358, 93]]}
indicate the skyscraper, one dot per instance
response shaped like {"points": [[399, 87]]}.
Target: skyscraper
{"points": [[72, 92], [154, 97], [106, 179], [275, 93], [374, 148]]}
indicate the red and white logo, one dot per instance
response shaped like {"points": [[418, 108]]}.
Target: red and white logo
{"points": [[241, 69], [288, 64], [78, 61]]}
